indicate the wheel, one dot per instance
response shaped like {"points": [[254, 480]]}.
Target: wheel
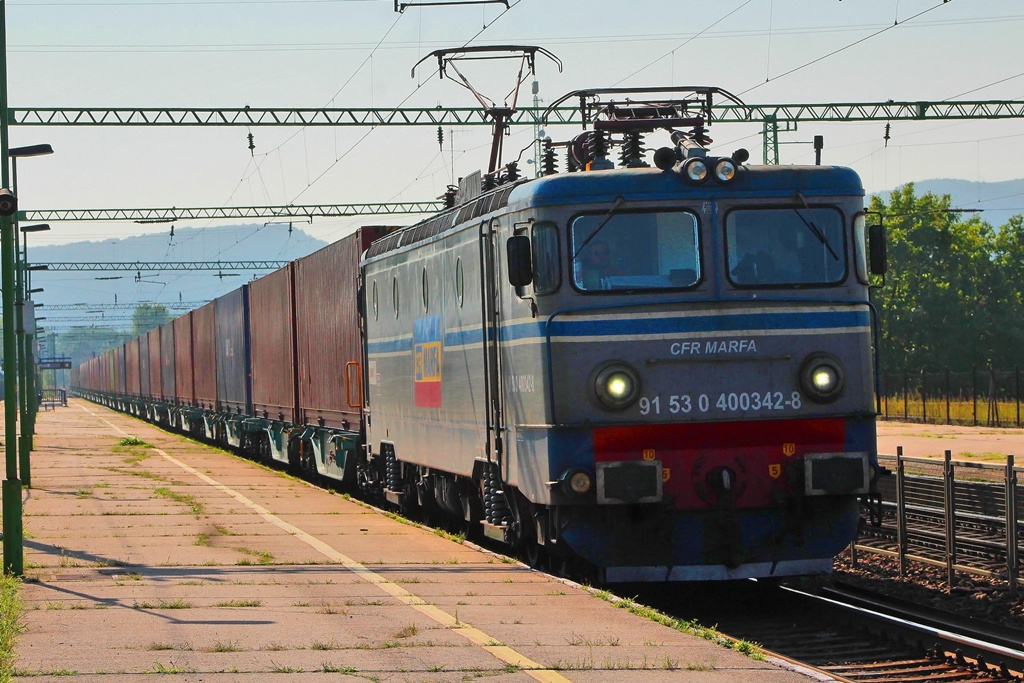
{"points": [[535, 555], [560, 565]]}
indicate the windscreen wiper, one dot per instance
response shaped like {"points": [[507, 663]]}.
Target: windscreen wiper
{"points": [[619, 201], [814, 228]]}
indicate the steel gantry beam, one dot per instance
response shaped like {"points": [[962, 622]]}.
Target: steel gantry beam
{"points": [[95, 319], [163, 266], [167, 215], [173, 305], [439, 116]]}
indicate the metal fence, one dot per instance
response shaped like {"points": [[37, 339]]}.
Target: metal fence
{"points": [[981, 396], [962, 516], [51, 398]]}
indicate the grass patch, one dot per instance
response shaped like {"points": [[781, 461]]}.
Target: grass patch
{"points": [[459, 538], [133, 441], [177, 603], [202, 540], [329, 668], [183, 498], [321, 645], [10, 624], [260, 556], [752, 650], [407, 632], [135, 473], [170, 668], [136, 457], [240, 603], [221, 646], [83, 493]]}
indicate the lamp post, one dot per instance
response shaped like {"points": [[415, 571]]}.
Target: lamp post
{"points": [[26, 375]]}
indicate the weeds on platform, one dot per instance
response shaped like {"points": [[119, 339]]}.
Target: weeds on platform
{"points": [[170, 668], [10, 624], [751, 650], [261, 556], [133, 441], [195, 505], [240, 603]]}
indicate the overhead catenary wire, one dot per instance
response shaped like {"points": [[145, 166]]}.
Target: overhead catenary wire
{"points": [[845, 47]]}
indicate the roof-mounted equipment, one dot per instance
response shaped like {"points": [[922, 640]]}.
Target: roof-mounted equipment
{"points": [[448, 59]]}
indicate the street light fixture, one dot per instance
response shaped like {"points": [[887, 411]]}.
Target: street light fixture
{"points": [[29, 151]]}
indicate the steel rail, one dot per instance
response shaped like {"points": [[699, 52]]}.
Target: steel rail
{"points": [[952, 631]]}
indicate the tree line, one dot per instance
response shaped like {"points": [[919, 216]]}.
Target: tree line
{"points": [[952, 297]]}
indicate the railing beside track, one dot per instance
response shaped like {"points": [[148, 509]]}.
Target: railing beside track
{"points": [[51, 398], [969, 524]]}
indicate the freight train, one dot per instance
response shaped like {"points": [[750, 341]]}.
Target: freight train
{"points": [[663, 373]]}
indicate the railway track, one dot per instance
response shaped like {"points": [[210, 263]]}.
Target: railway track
{"points": [[850, 634]]}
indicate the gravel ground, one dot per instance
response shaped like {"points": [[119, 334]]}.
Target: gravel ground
{"points": [[973, 596]]}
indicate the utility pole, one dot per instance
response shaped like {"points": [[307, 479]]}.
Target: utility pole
{"points": [[12, 529]]}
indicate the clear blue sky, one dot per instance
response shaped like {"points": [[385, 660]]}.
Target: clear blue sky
{"points": [[285, 53]]}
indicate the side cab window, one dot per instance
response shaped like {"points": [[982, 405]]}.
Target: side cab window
{"points": [[547, 271]]}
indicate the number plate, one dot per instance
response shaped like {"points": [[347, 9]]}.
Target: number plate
{"points": [[720, 403]]}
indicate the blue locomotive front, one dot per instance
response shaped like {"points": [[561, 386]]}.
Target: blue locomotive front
{"points": [[704, 351], [665, 372]]}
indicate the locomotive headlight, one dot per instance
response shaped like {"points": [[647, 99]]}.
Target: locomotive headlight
{"points": [[617, 386], [821, 377], [577, 481], [725, 170], [696, 170]]}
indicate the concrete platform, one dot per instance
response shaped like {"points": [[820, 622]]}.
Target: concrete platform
{"points": [[188, 562]]}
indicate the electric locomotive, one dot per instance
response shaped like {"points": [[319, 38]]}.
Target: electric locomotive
{"points": [[664, 371]]}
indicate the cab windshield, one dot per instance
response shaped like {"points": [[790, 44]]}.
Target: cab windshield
{"points": [[785, 247], [635, 250]]}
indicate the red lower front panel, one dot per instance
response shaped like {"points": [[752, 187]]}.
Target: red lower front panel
{"points": [[761, 461]]}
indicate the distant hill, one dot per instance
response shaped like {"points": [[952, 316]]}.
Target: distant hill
{"points": [[998, 201], [229, 243]]}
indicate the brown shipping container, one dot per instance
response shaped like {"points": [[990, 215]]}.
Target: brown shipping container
{"points": [[204, 357], [109, 379], [119, 359], [167, 368], [328, 349], [155, 366], [183, 359], [144, 376], [132, 368], [272, 345]]}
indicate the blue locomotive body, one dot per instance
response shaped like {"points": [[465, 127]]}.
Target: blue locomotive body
{"points": [[660, 419]]}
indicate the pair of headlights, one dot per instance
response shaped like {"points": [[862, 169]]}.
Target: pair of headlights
{"points": [[617, 385], [697, 169]]}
